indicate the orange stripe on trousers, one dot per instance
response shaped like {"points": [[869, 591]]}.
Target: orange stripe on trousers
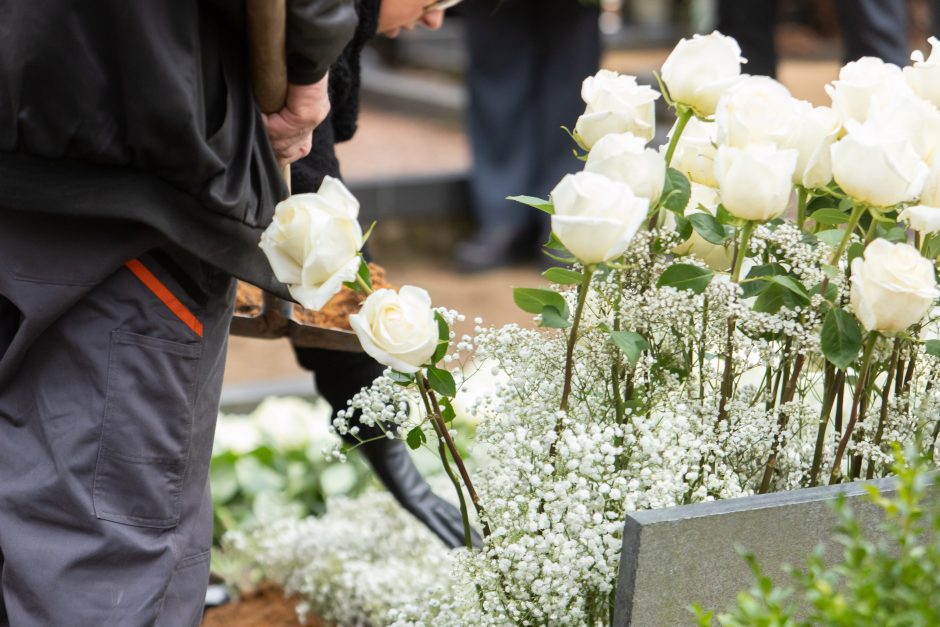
{"points": [[165, 295]]}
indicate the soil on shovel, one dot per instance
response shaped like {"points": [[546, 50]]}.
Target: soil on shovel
{"points": [[266, 607], [334, 315]]}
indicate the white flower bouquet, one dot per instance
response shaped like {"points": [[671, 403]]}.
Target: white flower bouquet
{"points": [[748, 309]]}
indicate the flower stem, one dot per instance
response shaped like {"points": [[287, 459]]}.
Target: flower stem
{"points": [[684, 115], [883, 414], [573, 336], [727, 376], [443, 436], [857, 212], [831, 394], [362, 283], [860, 389], [746, 231], [801, 198]]}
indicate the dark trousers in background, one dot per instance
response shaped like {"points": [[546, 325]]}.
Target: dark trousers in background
{"points": [[110, 376], [875, 28], [527, 59]]}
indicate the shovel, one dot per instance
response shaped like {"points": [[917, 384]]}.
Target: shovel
{"points": [[267, 20]]}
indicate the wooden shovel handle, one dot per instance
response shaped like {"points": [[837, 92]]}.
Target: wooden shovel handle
{"points": [[267, 31]]}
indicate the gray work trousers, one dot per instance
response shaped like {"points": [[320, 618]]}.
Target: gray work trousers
{"points": [[112, 347]]}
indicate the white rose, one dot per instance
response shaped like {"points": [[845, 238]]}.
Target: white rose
{"points": [[930, 195], [397, 329], [813, 134], [313, 243], [755, 110], [716, 256], [859, 82], [924, 76], [615, 104], [699, 70], [877, 170], [695, 151], [922, 218], [905, 116], [624, 157], [755, 182], [893, 287], [595, 217]]}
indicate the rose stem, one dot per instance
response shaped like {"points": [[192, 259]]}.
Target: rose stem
{"points": [[683, 117], [464, 514], [831, 393], [860, 387], [728, 375], [362, 283], [458, 459], [883, 414], [857, 212], [573, 338], [801, 197]]}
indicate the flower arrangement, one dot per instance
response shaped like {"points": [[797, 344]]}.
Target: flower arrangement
{"points": [[709, 337]]}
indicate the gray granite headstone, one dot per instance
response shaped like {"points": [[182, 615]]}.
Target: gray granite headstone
{"points": [[677, 556]]}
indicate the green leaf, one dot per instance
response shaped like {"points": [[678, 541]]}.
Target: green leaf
{"points": [[538, 203], [755, 282], [856, 249], [254, 477], [932, 347], [554, 244], [932, 249], [788, 282], [368, 234], [683, 227], [773, 298], [223, 478], [833, 237], [725, 217], [448, 413], [841, 338], [416, 438], [676, 191], [709, 228], [442, 382], [364, 274], [552, 318], [829, 216], [401, 378], [894, 234], [632, 344], [684, 276], [782, 291], [563, 276], [534, 300], [443, 338]]}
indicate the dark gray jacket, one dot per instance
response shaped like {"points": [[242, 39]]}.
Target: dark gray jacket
{"points": [[143, 109]]}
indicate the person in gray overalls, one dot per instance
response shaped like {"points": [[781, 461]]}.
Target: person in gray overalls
{"points": [[136, 176]]}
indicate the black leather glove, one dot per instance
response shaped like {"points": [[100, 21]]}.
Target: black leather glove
{"points": [[339, 376]]}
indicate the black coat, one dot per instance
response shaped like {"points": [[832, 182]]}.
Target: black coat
{"points": [[144, 110], [307, 174]]}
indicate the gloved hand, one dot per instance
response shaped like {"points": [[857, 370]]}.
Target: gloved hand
{"points": [[338, 377], [392, 464]]}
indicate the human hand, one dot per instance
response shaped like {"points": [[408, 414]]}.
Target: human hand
{"points": [[291, 129]]}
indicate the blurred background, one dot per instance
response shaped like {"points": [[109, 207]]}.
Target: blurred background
{"points": [[410, 163]]}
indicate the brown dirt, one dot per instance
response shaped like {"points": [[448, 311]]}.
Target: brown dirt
{"points": [[266, 607], [334, 315]]}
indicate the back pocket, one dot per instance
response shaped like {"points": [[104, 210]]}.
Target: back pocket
{"points": [[145, 431]]}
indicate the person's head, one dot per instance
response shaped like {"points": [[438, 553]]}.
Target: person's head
{"points": [[395, 15]]}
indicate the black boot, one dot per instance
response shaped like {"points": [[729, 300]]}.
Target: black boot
{"points": [[339, 376]]}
